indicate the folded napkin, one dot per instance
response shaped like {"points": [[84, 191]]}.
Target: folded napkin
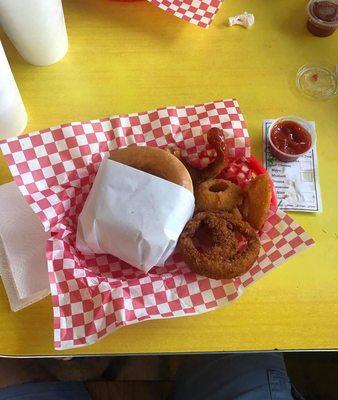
{"points": [[23, 265]]}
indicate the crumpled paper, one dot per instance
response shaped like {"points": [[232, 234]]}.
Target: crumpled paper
{"points": [[245, 19]]}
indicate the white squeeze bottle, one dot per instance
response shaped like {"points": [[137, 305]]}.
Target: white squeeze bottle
{"points": [[36, 28], [13, 116]]}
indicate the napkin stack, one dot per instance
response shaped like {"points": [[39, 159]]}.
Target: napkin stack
{"points": [[23, 265]]}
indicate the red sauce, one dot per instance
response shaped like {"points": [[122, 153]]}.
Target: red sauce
{"points": [[325, 11], [216, 138], [290, 137]]}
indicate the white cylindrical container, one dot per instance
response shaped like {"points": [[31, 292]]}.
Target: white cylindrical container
{"points": [[36, 28], [13, 116]]}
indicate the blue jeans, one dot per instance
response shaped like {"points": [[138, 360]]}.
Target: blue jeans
{"points": [[46, 391], [210, 377], [235, 377]]}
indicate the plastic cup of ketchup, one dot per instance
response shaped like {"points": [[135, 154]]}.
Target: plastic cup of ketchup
{"points": [[322, 17], [290, 137]]}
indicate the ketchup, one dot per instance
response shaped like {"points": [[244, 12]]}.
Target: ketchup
{"points": [[216, 138], [289, 137], [323, 18]]}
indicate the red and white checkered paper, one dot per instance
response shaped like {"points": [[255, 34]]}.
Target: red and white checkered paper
{"points": [[198, 12], [93, 296]]}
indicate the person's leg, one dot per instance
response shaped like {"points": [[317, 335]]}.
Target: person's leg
{"points": [[234, 377], [46, 391]]}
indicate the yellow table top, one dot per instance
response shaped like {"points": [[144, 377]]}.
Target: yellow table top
{"points": [[128, 57]]}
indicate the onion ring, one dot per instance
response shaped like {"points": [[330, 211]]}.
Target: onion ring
{"points": [[217, 195], [257, 200], [222, 260]]}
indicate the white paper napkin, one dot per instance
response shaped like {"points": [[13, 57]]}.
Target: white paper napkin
{"points": [[23, 265], [133, 215]]}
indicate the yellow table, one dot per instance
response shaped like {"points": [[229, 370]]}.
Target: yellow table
{"points": [[128, 57]]}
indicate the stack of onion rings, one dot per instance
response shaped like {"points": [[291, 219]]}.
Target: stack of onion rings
{"points": [[222, 260]]}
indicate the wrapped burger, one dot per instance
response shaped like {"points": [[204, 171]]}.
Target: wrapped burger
{"points": [[135, 215]]}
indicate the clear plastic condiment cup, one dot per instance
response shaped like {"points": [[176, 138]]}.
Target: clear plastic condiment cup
{"points": [[280, 155], [317, 26]]}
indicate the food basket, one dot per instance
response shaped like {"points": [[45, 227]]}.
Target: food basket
{"points": [[94, 295]]}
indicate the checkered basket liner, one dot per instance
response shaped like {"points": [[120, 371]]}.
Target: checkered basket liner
{"points": [[198, 12], [93, 296]]}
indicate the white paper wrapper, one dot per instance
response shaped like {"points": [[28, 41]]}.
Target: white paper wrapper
{"points": [[133, 215]]}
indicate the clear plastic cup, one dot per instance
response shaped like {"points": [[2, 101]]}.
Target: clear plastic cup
{"points": [[318, 26], [280, 155], [317, 81]]}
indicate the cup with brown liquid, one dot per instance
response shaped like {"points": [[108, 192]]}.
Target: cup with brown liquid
{"points": [[322, 17]]}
